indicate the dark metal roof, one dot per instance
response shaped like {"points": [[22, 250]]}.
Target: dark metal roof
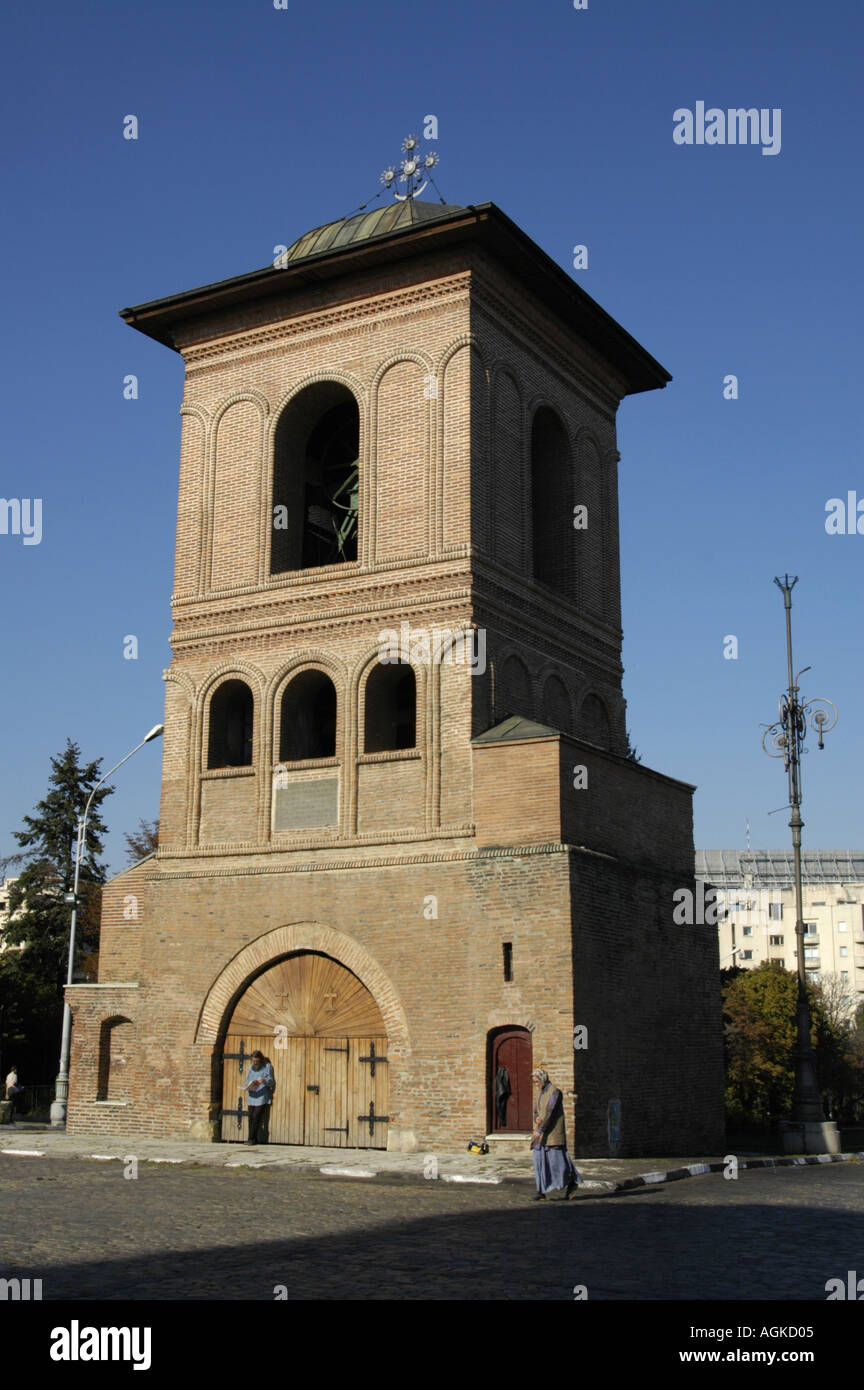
{"points": [[367, 225], [514, 728]]}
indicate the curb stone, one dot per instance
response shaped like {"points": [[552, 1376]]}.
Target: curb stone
{"points": [[693, 1170], [587, 1187]]}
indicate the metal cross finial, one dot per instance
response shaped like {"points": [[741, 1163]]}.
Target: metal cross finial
{"points": [[414, 170]]}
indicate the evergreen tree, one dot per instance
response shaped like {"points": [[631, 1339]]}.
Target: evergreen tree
{"points": [[32, 978]]}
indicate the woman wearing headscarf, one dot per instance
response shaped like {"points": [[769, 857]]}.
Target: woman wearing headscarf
{"points": [[553, 1167]]}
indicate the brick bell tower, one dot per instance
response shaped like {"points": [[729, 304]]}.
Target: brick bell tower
{"points": [[401, 846]]}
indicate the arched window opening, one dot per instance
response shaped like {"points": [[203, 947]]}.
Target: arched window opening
{"points": [[231, 714], [308, 724], [391, 709], [316, 480], [551, 502]]}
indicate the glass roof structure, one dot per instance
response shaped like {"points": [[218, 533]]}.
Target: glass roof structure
{"points": [[734, 868]]}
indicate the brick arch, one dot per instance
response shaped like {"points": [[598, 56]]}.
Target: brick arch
{"points": [[591, 481], [540, 401], [417, 357], [309, 659], [254, 397], [241, 670], [556, 703], [595, 725], [516, 688], [510, 472], [351, 383], [306, 659], [400, 435], [301, 936], [469, 340], [363, 669]]}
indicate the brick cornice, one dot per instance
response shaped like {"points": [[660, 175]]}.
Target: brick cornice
{"points": [[246, 343], [327, 620], [570, 370], [347, 574], [335, 841], [379, 862], [408, 861]]}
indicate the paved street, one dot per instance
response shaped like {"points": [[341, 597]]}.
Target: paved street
{"points": [[196, 1233]]}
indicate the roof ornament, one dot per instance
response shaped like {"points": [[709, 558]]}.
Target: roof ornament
{"points": [[415, 170]]}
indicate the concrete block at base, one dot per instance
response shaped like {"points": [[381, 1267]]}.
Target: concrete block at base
{"points": [[402, 1141], [5, 1112], [810, 1138]]}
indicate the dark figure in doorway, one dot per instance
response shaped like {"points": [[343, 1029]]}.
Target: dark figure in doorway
{"points": [[502, 1095]]}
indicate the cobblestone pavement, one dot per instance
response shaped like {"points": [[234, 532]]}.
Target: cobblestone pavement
{"points": [[210, 1233]]}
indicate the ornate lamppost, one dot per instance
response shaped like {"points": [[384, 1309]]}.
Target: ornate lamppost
{"points": [[807, 1130]]}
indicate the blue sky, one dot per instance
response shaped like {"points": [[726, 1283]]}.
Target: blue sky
{"points": [[257, 124]]}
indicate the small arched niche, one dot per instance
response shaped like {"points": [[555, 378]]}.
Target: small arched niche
{"points": [[231, 725], [316, 479], [594, 724], [307, 726], [391, 709], [551, 502]]}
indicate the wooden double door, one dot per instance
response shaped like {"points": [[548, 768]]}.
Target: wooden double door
{"points": [[326, 1041]]}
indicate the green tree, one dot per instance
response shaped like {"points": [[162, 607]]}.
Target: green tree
{"points": [[759, 1015], [143, 841], [32, 977], [759, 1029]]}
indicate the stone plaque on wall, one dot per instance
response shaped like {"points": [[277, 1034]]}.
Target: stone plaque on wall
{"points": [[306, 804]]}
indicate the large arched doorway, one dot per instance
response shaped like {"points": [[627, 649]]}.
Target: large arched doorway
{"points": [[511, 1101], [326, 1039]]}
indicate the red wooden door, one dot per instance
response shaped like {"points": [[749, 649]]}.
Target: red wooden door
{"points": [[511, 1049]]}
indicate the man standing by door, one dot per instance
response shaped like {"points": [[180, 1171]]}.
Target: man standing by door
{"points": [[260, 1083]]}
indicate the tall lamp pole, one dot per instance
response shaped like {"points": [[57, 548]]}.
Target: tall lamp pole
{"points": [[807, 1129], [61, 1092]]}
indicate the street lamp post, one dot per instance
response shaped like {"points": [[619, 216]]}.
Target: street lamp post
{"points": [[807, 1129], [61, 1092]]}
